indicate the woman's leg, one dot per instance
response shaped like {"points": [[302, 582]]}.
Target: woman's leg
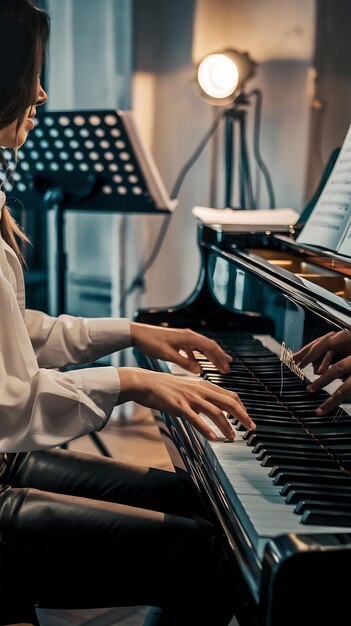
{"points": [[101, 478], [58, 551]]}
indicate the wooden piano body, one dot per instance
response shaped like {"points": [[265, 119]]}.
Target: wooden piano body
{"points": [[255, 291]]}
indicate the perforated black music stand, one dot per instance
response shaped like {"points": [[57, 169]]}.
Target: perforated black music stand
{"points": [[86, 160]]}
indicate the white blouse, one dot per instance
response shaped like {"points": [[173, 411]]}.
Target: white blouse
{"points": [[42, 407]]}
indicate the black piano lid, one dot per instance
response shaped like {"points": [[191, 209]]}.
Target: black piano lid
{"points": [[301, 290]]}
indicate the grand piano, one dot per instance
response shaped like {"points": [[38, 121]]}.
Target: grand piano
{"points": [[281, 495]]}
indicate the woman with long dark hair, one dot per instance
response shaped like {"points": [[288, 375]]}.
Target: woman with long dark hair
{"points": [[66, 519]]}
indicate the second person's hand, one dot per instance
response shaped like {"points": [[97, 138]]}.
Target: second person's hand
{"points": [[326, 355]]}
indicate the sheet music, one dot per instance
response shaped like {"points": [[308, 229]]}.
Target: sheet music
{"points": [[329, 225], [260, 219], [147, 164]]}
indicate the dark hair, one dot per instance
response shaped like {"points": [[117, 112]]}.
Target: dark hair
{"points": [[28, 27]]}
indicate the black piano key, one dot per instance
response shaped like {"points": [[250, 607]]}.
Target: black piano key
{"points": [[312, 505], [275, 422], [291, 428], [346, 464], [311, 446], [298, 495], [289, 476], [345, 456], [306, 412], [253, 436], [302, 402], [268, 412], [271, 460], [291, 395], [231, 378], [336, 448], [286, 455], [262, 398], [260, 401], [287, 385], [338, 431], [307, 470], [326, 518], [312, 423], [307, 486], [337, 438], [239, 388]]}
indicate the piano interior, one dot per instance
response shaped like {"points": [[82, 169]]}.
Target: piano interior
{"points": [[280, 495], [331, 274]]}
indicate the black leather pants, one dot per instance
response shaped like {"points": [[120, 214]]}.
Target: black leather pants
{"points": [[81, 531]]}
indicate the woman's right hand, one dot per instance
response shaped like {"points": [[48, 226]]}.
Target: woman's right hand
{"points": [[184, 398]]}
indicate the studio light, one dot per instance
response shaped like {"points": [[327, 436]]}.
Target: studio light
{"points": [[221, 75], [221, 79]]}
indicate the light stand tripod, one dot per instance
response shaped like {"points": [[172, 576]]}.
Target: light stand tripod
{"points": [[236, 115]]}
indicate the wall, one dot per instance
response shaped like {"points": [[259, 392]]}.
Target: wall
{"points": [[331, 103], [90, 52]]}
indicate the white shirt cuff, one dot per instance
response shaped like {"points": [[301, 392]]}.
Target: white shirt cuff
{"points": [[110, 332], [99, 388]]}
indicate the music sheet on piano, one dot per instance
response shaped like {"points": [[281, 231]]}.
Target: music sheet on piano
{"points": [[329, 225]]}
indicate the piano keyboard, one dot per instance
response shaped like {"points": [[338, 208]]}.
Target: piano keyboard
{"points": [[293, 474]]}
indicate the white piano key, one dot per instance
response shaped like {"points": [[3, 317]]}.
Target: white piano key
{"points": [[256, 501]]}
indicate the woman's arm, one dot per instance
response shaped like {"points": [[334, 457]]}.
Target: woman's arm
{"points": [[64, 340], [201, 403], [44, 408]]}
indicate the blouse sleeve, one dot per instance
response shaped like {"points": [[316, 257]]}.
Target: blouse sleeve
{"points": [[43, 408], [63, 340]]}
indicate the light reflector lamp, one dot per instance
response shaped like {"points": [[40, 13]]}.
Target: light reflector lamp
{"points": [[221, 75]]}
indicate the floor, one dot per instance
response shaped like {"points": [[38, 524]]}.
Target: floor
{"points": [[131, 436]]}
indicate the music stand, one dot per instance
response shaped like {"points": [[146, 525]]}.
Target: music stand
{"points": [[86, 160]]}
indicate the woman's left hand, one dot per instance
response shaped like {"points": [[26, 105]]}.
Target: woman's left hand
{"points": [[166, 343]]}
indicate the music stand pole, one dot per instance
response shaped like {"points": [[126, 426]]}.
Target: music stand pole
{"points": [[54, 201]]}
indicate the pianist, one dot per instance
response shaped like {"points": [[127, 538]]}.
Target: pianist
{"points": [[66, 519], [330, 356]]}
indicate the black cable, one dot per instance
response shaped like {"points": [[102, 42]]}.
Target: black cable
{"points": [[256, 147], [138, 280], [247, 182], [190, 162]]}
